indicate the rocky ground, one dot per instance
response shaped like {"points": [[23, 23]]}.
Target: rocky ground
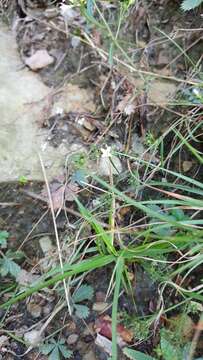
{"points": [[62, 102]]}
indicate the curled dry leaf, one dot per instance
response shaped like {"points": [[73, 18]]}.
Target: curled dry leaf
{"points": [[103, 326]]}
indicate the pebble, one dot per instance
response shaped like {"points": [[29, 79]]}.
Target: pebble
{"points": [[46, 244], [47, 309], [33, 337], [100, 306], [72, 339], [39, 60], [35, 310]]}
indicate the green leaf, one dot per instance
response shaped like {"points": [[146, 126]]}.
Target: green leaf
{"points": [[190, 4], [81, 311], [137, 355], [119, 272], [65, 352], [90, 7], [84, 292], [54, 354], [45, 349], [179, 214], [168, 350], [3, 239], [8, 266], [79, 177]]}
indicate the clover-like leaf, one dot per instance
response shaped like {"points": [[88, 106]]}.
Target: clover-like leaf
{"points": [[84, 292], [81, 311]]}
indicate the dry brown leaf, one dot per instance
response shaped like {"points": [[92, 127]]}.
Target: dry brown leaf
{"points": [[60, 193], [103, 326]]}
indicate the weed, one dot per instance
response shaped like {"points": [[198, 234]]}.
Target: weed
{"points": [[23, 180], [83, 293], [56, 350]]}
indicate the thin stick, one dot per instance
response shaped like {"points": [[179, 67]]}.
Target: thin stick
{"points": [[56, 231]]}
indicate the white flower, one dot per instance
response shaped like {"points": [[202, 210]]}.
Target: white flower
{"points": [[106, 152], [109, 163]]}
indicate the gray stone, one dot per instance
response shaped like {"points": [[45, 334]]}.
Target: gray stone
{"points": [[22, 101], [72, 339]]}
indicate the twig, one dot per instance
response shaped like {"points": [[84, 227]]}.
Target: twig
{"points": [[56, 232]]}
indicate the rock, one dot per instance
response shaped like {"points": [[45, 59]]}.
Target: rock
{"points": [[39, 60], [23, 103], [33, 338], [51, 13], [3, 340], [100, 306], [46, 244], [163, 59], [47, 309], [72, 339], [187, 165], [104, 343], [35, 310]]}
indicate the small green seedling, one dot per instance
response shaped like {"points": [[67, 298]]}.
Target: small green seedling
{"points": [[8, 265], [84, 292], [3, 239], [23, 180], [56, 350]]}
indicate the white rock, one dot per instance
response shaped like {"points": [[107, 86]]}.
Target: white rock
{"points": [[39, 60], [33, 338], [72, 339], [45, 244], [104, 343]]}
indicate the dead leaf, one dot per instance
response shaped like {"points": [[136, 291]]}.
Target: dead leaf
{"points": [[60, 193], [58, 197], [126, 105], [103, 326], [39, 60]]}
